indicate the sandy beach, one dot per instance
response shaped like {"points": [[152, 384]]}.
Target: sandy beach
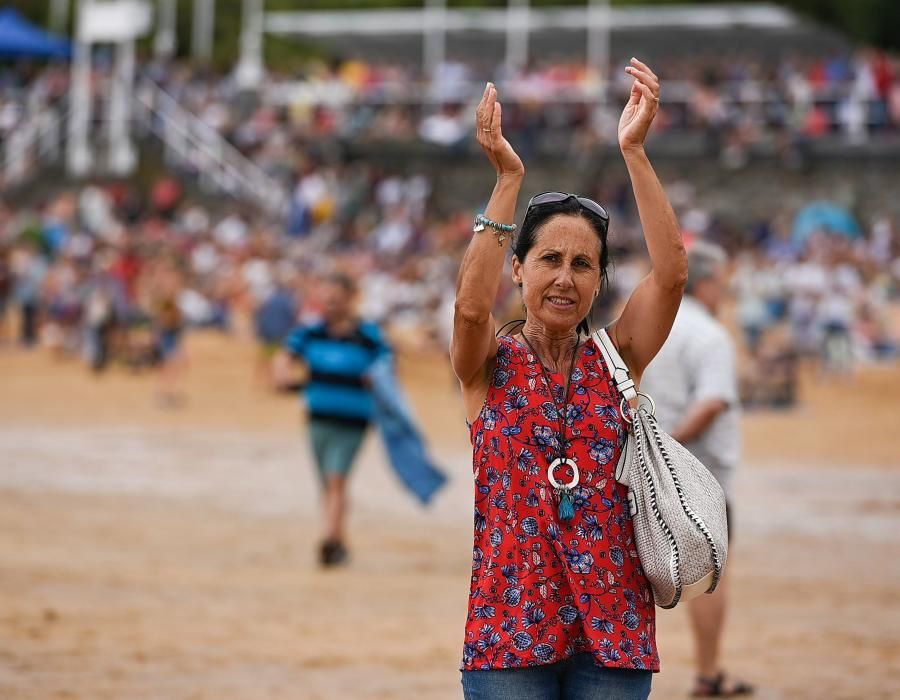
{"points": [[170, 554]]}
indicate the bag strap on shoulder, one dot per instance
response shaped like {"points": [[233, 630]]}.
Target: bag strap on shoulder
{"points": [[616, 365]]}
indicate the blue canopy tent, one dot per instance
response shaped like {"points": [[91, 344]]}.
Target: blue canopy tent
{"points": [[823, 216], [21, 39]]}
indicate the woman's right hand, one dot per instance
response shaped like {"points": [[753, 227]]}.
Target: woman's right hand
{"points": [[488, 131]]}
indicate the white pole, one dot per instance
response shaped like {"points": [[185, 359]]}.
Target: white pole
{"points": [[599, 23], [59, 15], [518, 15], [202, 29], [16, 155], [165, 42], [50, 137], [434, 36], [78, 152], [250, 71], [122, 158]]}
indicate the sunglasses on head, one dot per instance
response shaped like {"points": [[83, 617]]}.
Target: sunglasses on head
{"points": [[554, 197]]}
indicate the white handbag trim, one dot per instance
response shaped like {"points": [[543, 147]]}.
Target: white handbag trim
{"points": [[621, 473], [617, 366], [625, 384]]}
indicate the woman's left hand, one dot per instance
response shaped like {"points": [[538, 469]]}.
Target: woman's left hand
{"points": [[643, 104]]}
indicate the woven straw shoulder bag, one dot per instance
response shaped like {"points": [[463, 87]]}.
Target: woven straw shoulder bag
{"points": [[677, 506]]}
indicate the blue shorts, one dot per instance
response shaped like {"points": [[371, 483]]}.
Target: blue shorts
{"points": [[577, 678], [168, 341], [335, 445]]}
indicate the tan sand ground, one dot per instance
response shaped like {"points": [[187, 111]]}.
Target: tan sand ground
{"points": [[170, 554]]}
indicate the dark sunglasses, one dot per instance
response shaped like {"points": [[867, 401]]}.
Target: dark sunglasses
{"points": [[554, 197]]}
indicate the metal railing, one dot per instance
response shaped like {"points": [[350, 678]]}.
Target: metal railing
{"points": [[35, 141], [189, 146], [193, 146]]}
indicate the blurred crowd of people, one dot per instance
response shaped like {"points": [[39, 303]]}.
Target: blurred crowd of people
{"points": [[830, 300], [114, 273], [816, 96], [111, 273], [557, 107], [734, 102]]}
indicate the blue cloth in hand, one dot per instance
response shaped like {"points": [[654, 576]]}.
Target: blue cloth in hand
{"points": [[405, 446]]}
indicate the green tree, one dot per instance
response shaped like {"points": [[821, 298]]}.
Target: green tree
{"points": [[872, 22]]}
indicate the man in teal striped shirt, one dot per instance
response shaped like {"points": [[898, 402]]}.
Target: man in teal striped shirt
{"points": [[337, 352]]}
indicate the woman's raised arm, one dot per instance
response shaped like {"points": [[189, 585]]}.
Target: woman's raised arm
{"points": [[649, 313], [474, 346]]}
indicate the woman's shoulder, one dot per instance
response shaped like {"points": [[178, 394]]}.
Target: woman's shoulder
{"points": [[598, 356], [508, 355], [508, 347]]}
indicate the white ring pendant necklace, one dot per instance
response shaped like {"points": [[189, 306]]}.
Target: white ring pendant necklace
{"points": [[563, 491]]}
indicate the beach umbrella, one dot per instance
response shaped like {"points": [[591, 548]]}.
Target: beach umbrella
{"points": [[824, 216], [20, 38]]}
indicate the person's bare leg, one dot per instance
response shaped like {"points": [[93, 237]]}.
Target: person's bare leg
{"points": [[166, 383], [171, 374], [262, 375], [335, 507], [707, 614]]}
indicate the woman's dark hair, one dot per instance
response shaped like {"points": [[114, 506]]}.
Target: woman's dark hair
{"points": [[539, 214]]}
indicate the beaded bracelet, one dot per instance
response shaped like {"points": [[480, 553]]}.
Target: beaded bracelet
{"points": [[500, 230]]}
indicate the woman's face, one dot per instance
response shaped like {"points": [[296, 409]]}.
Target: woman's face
{"points": [[560, 276]]}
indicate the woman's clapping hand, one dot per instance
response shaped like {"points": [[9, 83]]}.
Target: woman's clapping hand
{"points": [[642, 106], [488, 131]]}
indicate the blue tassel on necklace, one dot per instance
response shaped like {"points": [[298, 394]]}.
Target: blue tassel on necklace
{"points": [[566, 505]]}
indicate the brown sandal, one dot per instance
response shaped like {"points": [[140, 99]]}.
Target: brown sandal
{"points": [[718, 687]]}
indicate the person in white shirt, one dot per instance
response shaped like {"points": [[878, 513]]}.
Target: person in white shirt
{"points": [[693, 381]]}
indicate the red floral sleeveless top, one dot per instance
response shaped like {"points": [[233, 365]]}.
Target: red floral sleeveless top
{"points": [[543, 589]]}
